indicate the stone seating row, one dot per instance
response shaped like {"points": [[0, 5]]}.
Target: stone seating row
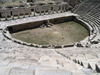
{"points": [[92, 17], [86, 7], [93, 32], [93, 14], [78, 55], [18, 53], [86, 57], [16, 56], [92, 38], [96, 29]]}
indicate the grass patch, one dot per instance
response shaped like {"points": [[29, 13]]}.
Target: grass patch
{"points": [[63, 33]]}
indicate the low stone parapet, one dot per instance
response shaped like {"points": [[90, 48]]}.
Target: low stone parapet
{"points": [[58, 46], [69, 45]]}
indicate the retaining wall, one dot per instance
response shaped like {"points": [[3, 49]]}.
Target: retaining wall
{"points": [[31, 25], [38, 23]]}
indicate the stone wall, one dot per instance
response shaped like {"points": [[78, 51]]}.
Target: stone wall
{"points": [[31, 25], [21, 27], [61, 19], [82, 23], [73, 2]]}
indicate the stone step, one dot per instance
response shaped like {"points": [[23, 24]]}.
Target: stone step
{"points": [[89, 56], [88, 71], [94, 74], [98, 67], [52, 72], [21, 71]]}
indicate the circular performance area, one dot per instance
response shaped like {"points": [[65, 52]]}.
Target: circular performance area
{"points": [[57, 34]]}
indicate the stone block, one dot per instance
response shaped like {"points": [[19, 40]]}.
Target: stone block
{"points": [[98, 67], [58, 46], [20, 71], [44, 46], [52, 72], [90, 56]]}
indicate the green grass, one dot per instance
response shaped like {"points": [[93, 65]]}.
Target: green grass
{"points": [[63, 33]]}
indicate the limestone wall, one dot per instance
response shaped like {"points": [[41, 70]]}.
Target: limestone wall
{"points": [[61, 19], [20, 27], [31, 25], [82, 23]]}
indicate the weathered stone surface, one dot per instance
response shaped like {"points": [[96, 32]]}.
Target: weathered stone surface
{"points": [[4, 70], [52, 72], [20, 71], [17, 59]]}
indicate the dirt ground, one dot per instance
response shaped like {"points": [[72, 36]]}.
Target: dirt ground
{"points": [[63, 33]]}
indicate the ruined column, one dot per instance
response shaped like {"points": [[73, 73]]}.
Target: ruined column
{"points": [[49, 10], [29, 13], [12, 14], [44, 11], [61, 8], [56, 8], [53, 9], [24, 12], [34, 10], [40, 9], [29, 9], [0, 18], [64, 8], [65, 5], [5, 11], [0, 15], [18, 12]]}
